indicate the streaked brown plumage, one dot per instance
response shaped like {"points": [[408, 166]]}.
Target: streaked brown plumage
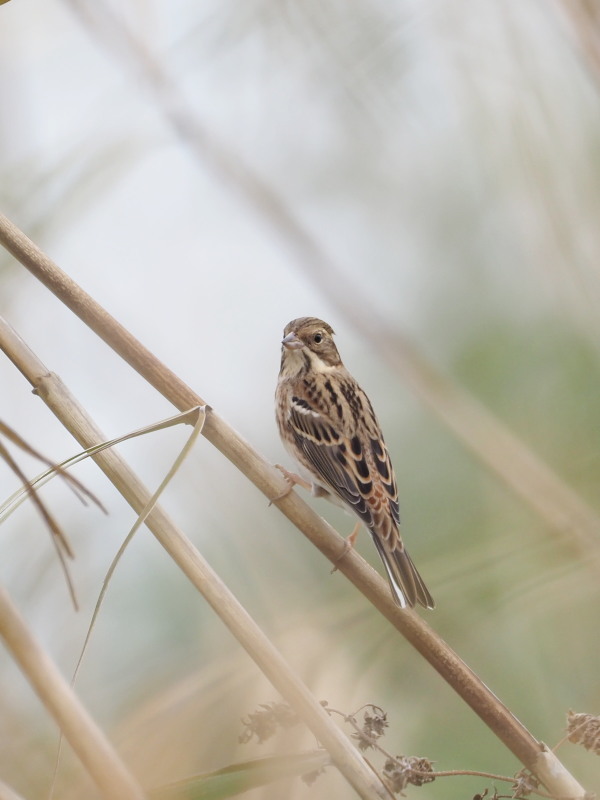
{"points": [[328, 425]]}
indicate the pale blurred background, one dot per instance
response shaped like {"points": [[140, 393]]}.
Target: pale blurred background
{"points": [[446, 158]]}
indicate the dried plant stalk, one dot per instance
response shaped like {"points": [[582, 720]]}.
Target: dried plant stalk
{"points": [[52, 391], [87, 740]]}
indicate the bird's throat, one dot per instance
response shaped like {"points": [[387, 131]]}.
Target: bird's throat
{"points": [[295, 363]]}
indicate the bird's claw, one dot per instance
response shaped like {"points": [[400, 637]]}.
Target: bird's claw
{"points": [[348, 545], [293, 480]]}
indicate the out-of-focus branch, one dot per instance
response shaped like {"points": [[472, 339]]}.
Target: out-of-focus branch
{"points": [[6, 792], [585, 19], [492, 442], [59, 540], [49, 387], [87, 740], [82, 492], [270, 481]]}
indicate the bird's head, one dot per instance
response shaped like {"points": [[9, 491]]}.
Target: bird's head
{"points": [[308, 344]]}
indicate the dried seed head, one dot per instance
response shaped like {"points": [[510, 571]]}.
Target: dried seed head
{"points": [[373, 727], [264, 723], [524, 784], [310, 777], [584, 729], [404, 770]]}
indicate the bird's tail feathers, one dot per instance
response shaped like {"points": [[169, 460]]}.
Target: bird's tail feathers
{"points": [[408, 587]]}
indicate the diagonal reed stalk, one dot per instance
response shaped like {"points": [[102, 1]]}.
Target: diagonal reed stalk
{"points": [[87, 740], [75, 419], [533, 754]]}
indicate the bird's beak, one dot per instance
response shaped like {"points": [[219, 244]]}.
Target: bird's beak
{"points": [[292, 342]]}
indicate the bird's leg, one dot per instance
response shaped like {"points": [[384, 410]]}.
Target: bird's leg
{"points": [[293, 479], [348, 545]]}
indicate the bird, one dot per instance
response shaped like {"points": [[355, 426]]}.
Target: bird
{"points": [[327, 425]]}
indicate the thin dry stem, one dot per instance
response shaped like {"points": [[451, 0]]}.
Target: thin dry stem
{"points": [[49, 387], [76, 486], [270, 481], [59, 540], [87, 740]]}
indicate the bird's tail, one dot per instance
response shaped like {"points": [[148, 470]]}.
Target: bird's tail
{"points": [[408, 587]]}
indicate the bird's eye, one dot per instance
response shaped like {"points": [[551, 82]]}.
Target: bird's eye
{"points": [[318, 338]]}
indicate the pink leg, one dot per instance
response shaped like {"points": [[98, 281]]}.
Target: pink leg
{"points": [[294, 480], [351, 540], [348, 545]]}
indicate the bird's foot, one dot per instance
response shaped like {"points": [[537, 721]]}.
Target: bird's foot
{"points": [[293, 480], [348, 545]]}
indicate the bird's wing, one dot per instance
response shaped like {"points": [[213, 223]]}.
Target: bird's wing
{"points": [[355, 468]]}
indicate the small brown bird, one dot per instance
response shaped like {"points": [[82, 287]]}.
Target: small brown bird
{"points": [[328, 426]]}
